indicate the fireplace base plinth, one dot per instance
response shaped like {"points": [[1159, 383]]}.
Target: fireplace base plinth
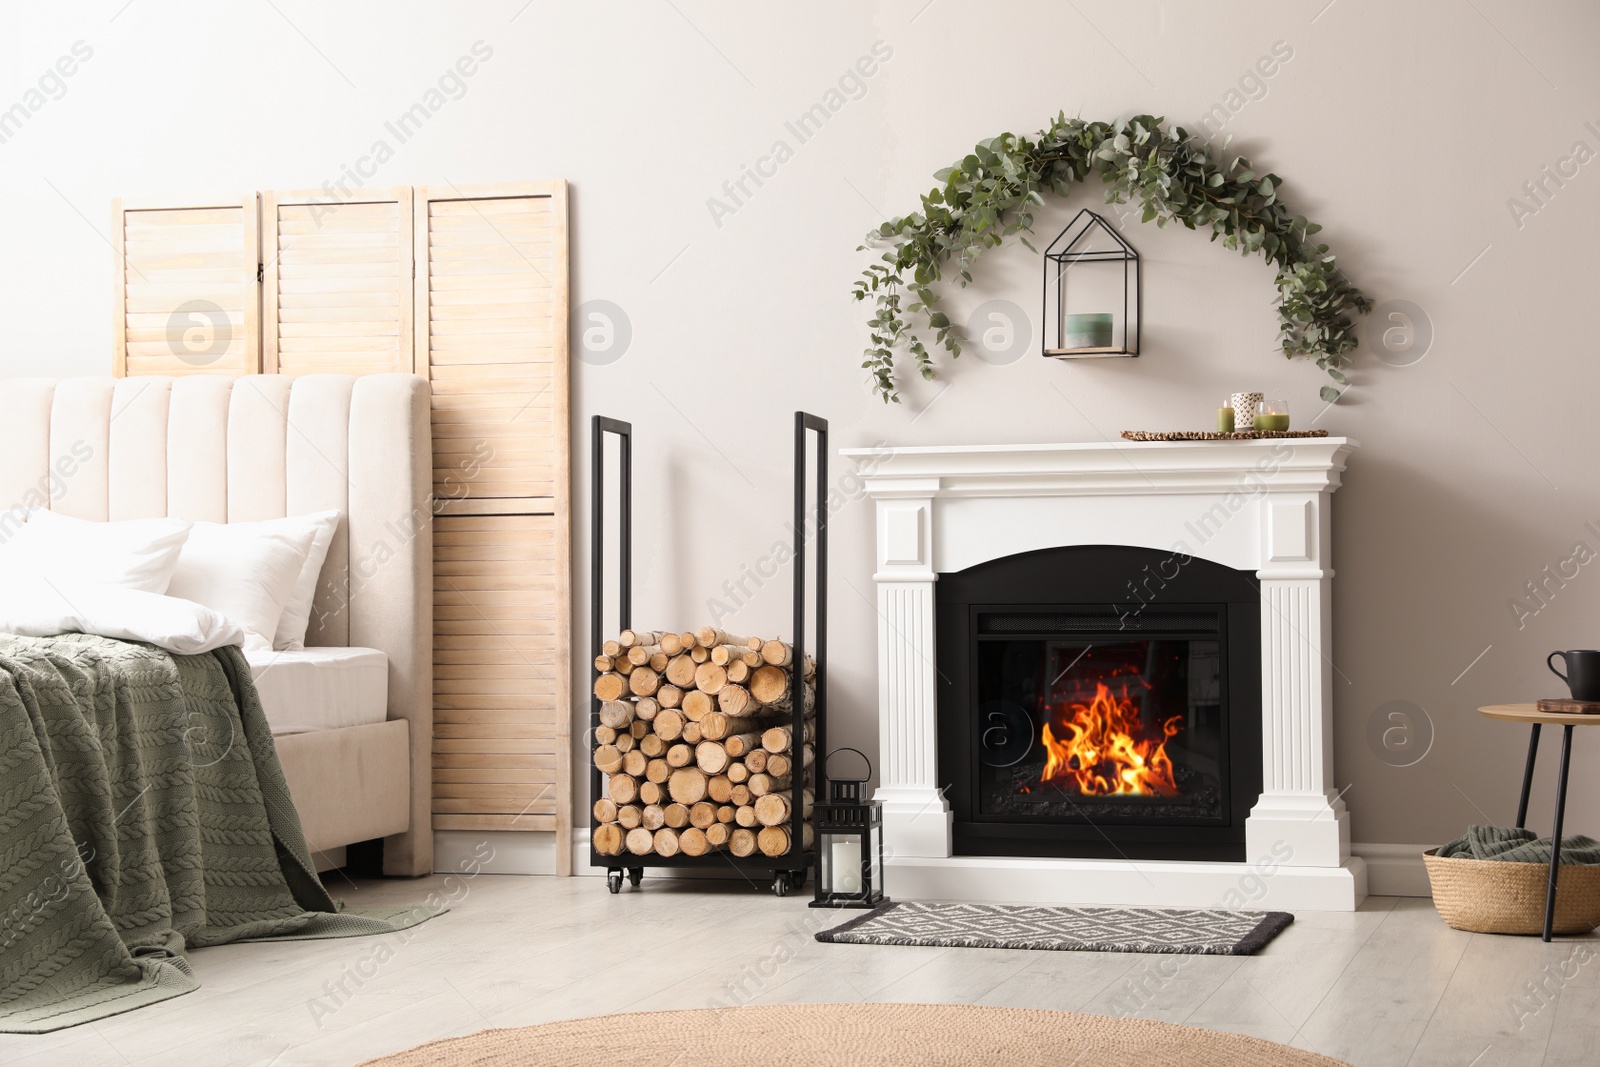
{"points": [[1140, 883], [1296, 843], [918, 821], [1314, 828]]}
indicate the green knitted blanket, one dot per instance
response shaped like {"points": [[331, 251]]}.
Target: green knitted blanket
{"points": [[143, 811], [1519, 846]]}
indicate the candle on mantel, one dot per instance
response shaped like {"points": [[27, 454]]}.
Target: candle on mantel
{"points": [[1272, 415], [1225, 420]]}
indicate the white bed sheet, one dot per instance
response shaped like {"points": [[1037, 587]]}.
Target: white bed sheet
{"points": [[312, 689]]}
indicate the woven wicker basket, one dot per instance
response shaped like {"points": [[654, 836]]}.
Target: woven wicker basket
{"points": [[1494, 897]]}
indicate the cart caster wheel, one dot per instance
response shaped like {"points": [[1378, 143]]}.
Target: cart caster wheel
{"points": [[614, 881], [797, 879], [635, 875], [780, 883]]}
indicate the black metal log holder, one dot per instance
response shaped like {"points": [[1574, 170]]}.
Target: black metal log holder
{"points": [[788, 871]]}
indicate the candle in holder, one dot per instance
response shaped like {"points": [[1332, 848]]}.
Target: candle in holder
{"points": [[1244, 410], [1088, 331], [1225, 420], [1272, 415]]}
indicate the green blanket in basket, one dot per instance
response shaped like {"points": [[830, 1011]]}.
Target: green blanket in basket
{"points": [[1519, 846], [143, 812]]}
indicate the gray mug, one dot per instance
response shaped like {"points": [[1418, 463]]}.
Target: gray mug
{"points": [[1583, 672]]}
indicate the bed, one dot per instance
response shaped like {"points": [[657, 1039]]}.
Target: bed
{"points": [[352, 714]]}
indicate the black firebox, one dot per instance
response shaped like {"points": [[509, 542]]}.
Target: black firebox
{"points": [[1100, 701]]}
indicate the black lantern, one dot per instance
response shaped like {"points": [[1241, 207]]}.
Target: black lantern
{"points": [[849, 843], [1098, 315]]}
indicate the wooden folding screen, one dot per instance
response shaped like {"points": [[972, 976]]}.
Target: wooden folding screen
{"points": [[491, 312], [187, 294], [337, 282], [467, 287]]}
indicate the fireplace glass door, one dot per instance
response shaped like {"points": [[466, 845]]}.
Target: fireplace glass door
{"points": [[1089, 715]]}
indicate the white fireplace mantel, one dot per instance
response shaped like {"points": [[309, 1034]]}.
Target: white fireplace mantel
{"points": [[1259, 506]]}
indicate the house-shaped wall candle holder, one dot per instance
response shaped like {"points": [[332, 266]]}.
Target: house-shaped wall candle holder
{"points": [[1098, 314]]}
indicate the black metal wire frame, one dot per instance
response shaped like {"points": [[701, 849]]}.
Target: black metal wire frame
{"points": [[798, 859], [597, 560], [797, 677], [1125, 253]]}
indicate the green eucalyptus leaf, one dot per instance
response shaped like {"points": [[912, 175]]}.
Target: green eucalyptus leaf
{"points": [[989, 195]]}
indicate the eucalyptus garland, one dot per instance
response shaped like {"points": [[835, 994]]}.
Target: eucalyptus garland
{"points": [[992, 193]]}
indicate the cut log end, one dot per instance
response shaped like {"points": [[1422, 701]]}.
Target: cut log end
{"points": [[608, 839], [644, 681], [697, 705], [687, 785], [611, 686], [630, 638], [711, 757], [742, 842], [777, 653], [669, 724], [709, 678], [614, 713], [622, 789]]}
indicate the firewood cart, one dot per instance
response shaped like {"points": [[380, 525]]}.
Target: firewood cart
{"points": [[788, 869]]}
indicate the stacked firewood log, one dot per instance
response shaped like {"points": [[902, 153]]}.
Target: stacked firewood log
{"points": [[696, 742]]}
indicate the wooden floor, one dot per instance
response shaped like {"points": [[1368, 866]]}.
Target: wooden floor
{"points": [[1390, 984]]}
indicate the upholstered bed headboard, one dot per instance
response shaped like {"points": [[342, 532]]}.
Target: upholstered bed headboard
{"points": [[223, 449]]}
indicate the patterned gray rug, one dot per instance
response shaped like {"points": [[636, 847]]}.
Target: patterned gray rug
{"points": [[1192, 931]]}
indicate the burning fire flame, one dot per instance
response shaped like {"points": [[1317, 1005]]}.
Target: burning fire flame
{"points": [[1100, 754]]}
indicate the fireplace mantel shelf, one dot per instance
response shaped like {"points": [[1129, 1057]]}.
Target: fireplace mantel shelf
{"points": [[1259, 506], [1102, 467]]}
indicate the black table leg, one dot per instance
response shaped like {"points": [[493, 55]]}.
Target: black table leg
{"points": [[1527, 777], [1555, 838]]}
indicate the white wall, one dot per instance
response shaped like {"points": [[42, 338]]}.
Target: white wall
{"points": [[1404, 128]]}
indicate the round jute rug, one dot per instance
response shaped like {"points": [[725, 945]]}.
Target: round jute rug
{"points": [[890, 1035]]}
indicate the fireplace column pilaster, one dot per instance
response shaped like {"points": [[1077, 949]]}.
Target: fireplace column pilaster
{"points": [[1300, 811], [917, 819]]}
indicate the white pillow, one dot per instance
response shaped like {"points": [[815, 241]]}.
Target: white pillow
{"points": [[38, 607], [245, 570], [133, 554], [297, 613]]}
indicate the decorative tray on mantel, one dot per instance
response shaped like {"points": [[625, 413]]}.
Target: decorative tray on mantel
{"points": [[1212, 435]]}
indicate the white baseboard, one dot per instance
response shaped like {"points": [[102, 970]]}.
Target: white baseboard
{"points": [[1392, 870], [513, 851], [1395, 870]]}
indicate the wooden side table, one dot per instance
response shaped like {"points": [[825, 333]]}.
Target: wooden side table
{"points": [[1530, 714]]}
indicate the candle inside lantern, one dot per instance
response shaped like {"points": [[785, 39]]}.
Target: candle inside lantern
{"points": [[1088, 331], [846, 858]]}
